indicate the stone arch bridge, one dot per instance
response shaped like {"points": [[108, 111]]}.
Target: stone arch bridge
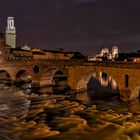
{"points": [[123, 77]]}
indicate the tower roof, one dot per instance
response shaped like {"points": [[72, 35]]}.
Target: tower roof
{"points": [[10, 18]]}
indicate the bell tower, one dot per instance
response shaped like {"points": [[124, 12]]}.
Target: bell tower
{"points": [[10, 33]]}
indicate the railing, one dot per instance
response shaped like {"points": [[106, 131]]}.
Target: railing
{"points": [[61, 62]]}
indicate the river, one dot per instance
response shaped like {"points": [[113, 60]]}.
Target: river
{"points": [[40, 115]]}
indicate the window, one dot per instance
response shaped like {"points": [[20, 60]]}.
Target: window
{"points": [[126, 81], [36, 69]]}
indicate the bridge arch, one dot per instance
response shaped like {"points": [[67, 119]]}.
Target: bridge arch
{"points": [[100, 82], [5, 77], [83, 82], [22, 77], [53, 76]]}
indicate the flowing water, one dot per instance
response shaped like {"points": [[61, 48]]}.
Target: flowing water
{"points": [[14, 106], [40, 115]]}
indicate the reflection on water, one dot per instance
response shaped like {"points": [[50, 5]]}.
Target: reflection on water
{"points": [[66, 117], [112, 103]]}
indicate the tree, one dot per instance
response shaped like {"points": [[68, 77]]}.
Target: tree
{"points": [[78, 55]]}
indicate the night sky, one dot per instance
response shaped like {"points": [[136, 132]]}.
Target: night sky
{"points": [[83, 25]]}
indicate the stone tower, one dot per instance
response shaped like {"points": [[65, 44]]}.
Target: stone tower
{"points": [[10, 33]]}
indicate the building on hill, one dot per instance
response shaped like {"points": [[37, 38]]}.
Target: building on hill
{"points": [[38, 54], [115, 52], [8, 56], [53, 54], [22, 55], [5, 50], [104, 52], [106, 55], [2, 48], [14, 54]]}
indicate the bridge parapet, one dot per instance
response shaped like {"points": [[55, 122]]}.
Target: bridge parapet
{"points": [[61, 62], [51, 62]]}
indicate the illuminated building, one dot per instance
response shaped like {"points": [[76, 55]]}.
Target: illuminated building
{"points": [[115, 52], [10, 33], [104, 51]]}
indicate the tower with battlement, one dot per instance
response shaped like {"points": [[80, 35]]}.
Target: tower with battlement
{"points": [[10, 33]]}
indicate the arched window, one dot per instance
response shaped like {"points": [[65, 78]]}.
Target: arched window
{"points": [[126, 81], [36, 69]]}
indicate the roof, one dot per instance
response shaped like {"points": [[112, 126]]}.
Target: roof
{"points": [[19, 49], [43, 51], [69, 52], [53, 51], [26, 48], [39, 53]]}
